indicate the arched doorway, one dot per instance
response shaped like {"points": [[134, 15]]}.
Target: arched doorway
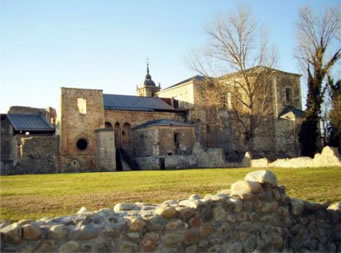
{"points": [[126, 137], [117, 130]]}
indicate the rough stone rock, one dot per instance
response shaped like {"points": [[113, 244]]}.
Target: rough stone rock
{"points": [[191, 249], [128, 247], [171, 239], [58, 232], [166, 212], [283, 211], [191, 237], [191, 203], [69, 247], [194, 197], [242, 187], [219, 213], [170, 202], [234, 247], [250, 243], [150, 242], [31, 231], [297, 206], [12, 232], [195, 221], [262, 176], [335, 206], [206, 230], [175, 224], [44, 246], [185, 212], [246, 162], [329, 157], [24, 222], [82, 210], [155, 223], [125, 207], [86, 232], [238, 205], [269, 207], [136, 224], [133, 235]]}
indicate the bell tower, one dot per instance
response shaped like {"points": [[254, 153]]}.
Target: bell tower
{"points": [[148, 87]]}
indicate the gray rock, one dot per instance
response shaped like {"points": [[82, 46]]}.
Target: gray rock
{"points": [[250, 243], [297, 206], [171, 239], [125, 207], [12, 233], [155, 223], [69, 247], [243, 187], [219, 213], [191, 203], [31, 231], [128, 247], [262, 176], [194, 197], [85, 232], [58, 232], [166, 212]]}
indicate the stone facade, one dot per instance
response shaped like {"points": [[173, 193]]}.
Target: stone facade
{"points": [[255, 215], [212, 123]]}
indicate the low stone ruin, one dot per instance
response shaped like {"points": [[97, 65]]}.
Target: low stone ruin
{"points": [[329, 157], [255, 215]]}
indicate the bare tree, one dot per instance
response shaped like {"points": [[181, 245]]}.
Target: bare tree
{"points": [[319, 50], [237, 44]]}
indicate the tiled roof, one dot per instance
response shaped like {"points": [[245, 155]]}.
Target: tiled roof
{"points": [[297, 112], [163, 122], [135, 103], [30, 122]]}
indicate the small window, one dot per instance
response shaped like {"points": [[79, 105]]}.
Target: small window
{"points": [[288, 94], [81, 103], [82, 144]]}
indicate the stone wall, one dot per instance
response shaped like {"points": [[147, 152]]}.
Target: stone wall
{"points": [[82, 112], [327, 158], [255, 215], [35, 154]]}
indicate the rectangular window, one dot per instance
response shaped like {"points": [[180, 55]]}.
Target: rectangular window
{"points": [[81, 104], [288, 94]]}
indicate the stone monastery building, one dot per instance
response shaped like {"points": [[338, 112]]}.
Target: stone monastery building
{"points": [[157, 129]]}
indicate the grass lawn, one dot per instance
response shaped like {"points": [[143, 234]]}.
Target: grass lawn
{"points": [[36, 196]]}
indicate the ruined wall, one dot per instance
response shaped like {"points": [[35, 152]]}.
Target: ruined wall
{"points": [[82, 112], [167, 162], [255, 215], [35, 154]]}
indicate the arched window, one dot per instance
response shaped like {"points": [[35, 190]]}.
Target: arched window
{"points": [[108, 125]]}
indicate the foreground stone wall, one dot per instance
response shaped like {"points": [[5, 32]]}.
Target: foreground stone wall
{"points": [[255, 215]]}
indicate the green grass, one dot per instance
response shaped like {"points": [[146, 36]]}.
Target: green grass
{"points": [[36, 196]]}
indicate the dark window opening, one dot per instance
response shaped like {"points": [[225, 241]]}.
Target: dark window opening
{"points": [[169, 153], [82, 144], [176, 138], [288, 94], [108, 125], [176, 103], [123, 133]]}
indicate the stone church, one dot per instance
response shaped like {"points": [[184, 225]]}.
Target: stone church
{"points": [[157, 129]]}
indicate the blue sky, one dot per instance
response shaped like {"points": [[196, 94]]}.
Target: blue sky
{"points": [[102, 44]]}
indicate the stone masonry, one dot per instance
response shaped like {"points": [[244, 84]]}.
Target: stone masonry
{"points": [[255, 215]]}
